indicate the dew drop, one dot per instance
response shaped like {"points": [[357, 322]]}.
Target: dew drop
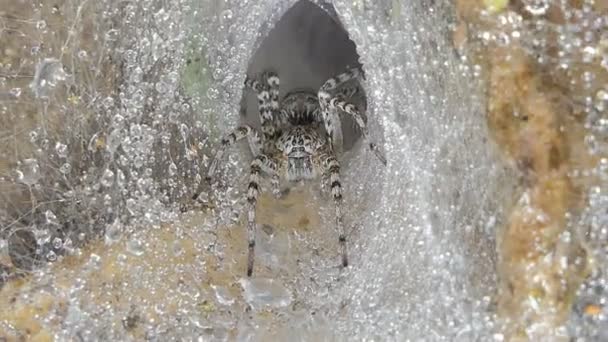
{"points": [[51, 218], [15, 92], [260, 293], [33, 136], [592, 145], [57, 243], [223, 295], [51, 256], [226, 15], [172, 169], [113, 232], [135, 247], [536, 7], [108, 102], [65, 168], [49, 73], [29, 172], [112, 35], [41, 24], [107, 179], [61, 149]]}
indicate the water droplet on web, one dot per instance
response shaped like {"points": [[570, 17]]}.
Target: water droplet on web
{"points": [[49, 72], [50, 217], [43, 236], [172, 169], [223, 295], [61, 149], [33, 136], [588, 78], [51, 256], [57, 243], [16, 92], [113, 232], [107, 200], [112, 35], [120, 178], [261, 293], [107, 179], [212, 93], [130, 57], [227, 14], [174, 116], [132, 206], [161, 87], [40, 24], [601, 100], [536, 7], [108, 102], [589, 54], [592, 144], [65, 168], [135, 247], [137, 75], [114, 140], [94, 262], [28, 172]]}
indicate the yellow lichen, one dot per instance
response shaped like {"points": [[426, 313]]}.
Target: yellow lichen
{"points": [[494, 6]]}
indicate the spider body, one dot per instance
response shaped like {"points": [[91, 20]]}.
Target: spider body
{"points": [[299, 145], [297, 142]]}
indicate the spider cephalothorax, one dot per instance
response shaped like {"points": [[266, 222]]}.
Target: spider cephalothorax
{"points": [[297, 142]]}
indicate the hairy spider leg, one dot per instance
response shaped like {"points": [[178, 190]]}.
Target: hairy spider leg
{"points": [[275, 181], [331, 171], [272, 79], [330, 118], [339, 102], [230, 139], [265, 107], [348, 92], [338, 80], [270, 166]]}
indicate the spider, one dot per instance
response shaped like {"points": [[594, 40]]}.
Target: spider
{"points": [[293, 145]]}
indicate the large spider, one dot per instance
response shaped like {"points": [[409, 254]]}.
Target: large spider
{"points": [[293, 143]]}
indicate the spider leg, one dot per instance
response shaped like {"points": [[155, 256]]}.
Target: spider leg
{"points": [[349, 92], [276, 185], [230, 139], [330, 118], [331, 168], [279, 118], [253, 84], [283, 117], [270, 166], [265, 106], [335, 82], [340, 103], [273, 86]]}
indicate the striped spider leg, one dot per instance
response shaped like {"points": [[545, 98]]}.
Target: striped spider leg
{"points": [[270, 166], [329, 104], [330, 168]]}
